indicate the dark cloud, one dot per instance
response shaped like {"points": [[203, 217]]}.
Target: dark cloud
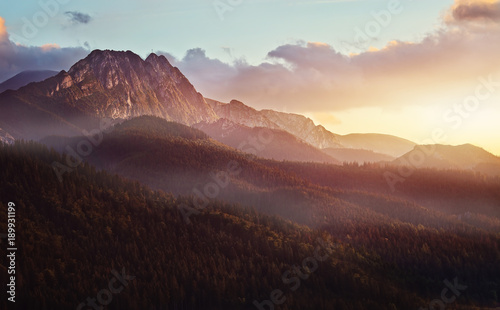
{"points": [[481, 12], [15, 58], [78, 17], [478, 11]]}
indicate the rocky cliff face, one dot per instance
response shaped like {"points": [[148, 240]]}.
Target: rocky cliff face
{"points": [[106, 84], [122, 85], [298, 125], [304, 128], [242, 114]]}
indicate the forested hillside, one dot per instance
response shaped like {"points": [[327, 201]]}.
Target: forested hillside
{"points": [[385, 253]]}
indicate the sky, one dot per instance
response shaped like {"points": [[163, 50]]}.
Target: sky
{"points": [[409, 68]]}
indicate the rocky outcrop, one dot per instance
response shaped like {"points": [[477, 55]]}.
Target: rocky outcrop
{"points": [[298, 125], [122, 85], [105, 84]]}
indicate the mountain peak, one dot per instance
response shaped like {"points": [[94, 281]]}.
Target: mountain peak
{"points": [[98, 52], [236, 102], [105, 65], [155, 58], [108, 84], [161, 64], [137, 87], [99, 56]]}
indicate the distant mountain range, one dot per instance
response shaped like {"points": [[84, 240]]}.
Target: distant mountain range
{"points": [[121, 85], [305, 129], [178, 159], [357, 155], [465, 156], [264, 142], [24, 78]]}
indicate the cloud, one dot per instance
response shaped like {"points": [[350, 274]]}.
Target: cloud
{"points": [[314, 77], [474, 11], [49, 47], [196, 64], [327, 118], [78, 17], [4, 36], [228, 50], [15, 58]]}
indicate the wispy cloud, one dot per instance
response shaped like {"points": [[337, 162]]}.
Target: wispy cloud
{"points": [[78, 17]]}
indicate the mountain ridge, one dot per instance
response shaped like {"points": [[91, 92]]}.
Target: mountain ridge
{"points": [[264, 142], [121, 85], [465, 156], [105, 84], [24, 78], [305, 129]]}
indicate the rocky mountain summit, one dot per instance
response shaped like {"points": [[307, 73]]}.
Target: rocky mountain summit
{"points": [[120, 85], [106, 84], [298, 125]]}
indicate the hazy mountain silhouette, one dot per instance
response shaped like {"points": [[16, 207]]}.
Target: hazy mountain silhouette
{"points": [[24, 78], [305, 129], [467, 156], [264, 142]]}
